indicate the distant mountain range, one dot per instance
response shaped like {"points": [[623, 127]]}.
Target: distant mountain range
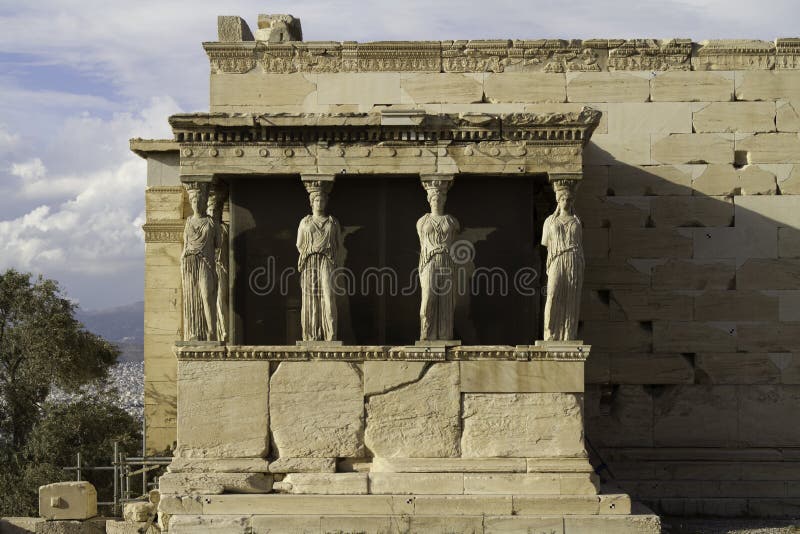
{"points": [[122, 325]]}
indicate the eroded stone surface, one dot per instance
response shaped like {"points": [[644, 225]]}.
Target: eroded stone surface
{"points": [[179, 505], [219, 465], [317, 410], [222, 409], [324, 484], [523, 424], [214, 483], [138, 511], [303, 465], [67, 500], [420, 420], [381, 376], [229, 524]]}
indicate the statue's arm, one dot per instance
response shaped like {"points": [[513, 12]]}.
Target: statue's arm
{"points": [[546, 232], [338, 249], [217, 235], [185, 238], [301, 245], [301, 236], [420, 221]]}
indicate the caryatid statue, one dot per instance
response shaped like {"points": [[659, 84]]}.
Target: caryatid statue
{"points": [[198, 268], [216, 203], [563, 236], [319, 242], [437, 232]]}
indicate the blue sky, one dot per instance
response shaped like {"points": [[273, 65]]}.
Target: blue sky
{"points": [[79, 78]]}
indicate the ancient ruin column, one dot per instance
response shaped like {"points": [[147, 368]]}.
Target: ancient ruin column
{"points": [[437, 232], [198, 266], [218, 196], [562, 234], [319, 244]]}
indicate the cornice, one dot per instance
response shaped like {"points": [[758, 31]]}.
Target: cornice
{"points": [[502, 55], [393, 126], [360, 353]]}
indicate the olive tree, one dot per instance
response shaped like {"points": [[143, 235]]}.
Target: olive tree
{"points": [[41, 345]]}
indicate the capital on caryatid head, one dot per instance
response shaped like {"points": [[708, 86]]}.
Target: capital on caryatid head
{"points": [[198, 178], [439, 182], [561, 179], [318, 183]]}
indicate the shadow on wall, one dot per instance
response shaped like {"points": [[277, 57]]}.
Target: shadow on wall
{"points": [[162, 407], [692, 306], [497, 258]]}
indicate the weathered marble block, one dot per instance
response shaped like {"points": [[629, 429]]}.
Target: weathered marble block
{"points": [[223, 409], [68, 500], [418, 420], [214, 483], [523, 425], [317, 410]]}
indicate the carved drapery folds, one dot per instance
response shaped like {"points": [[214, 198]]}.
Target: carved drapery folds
{"points": [[437, 232], [198, 268], [216, 204], [319, 244], [562, 234]]}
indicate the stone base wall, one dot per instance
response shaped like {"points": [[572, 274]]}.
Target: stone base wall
{"points": [[327, 417], [385, 446]]}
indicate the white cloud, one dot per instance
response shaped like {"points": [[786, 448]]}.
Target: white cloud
{"points": [[85, 225], [8, 140], [30, 170], [92, 233]]}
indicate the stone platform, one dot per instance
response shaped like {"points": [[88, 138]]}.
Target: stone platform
{"points": [[406, 514], [385, 439]]}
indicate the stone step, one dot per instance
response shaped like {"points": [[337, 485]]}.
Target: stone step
{"points": [[391, 524], [535, 505], [481, 465]]}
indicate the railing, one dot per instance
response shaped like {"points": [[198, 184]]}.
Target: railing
{"points": [[123, 472]]}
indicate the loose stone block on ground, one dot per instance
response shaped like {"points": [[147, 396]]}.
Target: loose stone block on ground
{"points": [[67, 500]]}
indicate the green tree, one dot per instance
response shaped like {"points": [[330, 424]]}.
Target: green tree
{"points": [[41, 345]]}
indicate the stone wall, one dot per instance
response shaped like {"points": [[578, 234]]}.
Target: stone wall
{"points": [[691, 300], [164, 201]]}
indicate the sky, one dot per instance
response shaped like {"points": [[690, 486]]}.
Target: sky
{"points": [[78, 78]]}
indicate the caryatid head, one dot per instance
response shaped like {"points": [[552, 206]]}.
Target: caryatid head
{"points": [[437, 194], [216, 202], [318, 192], [565, 196], [198, 197]]}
